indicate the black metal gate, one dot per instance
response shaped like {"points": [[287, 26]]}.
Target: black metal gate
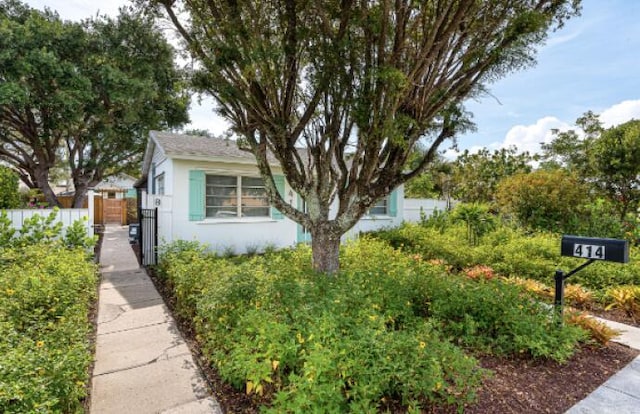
{"points": [[149, 236]]}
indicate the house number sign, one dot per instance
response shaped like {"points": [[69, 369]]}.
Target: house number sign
{"points": [[591, 248], [611, 250], [589, 251]]}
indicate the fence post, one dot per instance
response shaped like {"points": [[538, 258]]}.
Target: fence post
{"points": [[91, 207]]}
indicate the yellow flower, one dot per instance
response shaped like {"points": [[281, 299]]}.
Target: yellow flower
{"points": [[10, 291], [422, 345], [39, 344], [300, 338]]}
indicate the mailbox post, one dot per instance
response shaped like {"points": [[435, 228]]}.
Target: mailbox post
{"points": [[591, 248]]}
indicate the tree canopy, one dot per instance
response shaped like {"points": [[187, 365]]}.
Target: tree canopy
{"points": [[85, 92], [358, 84], [476, 176], [605, 158]]}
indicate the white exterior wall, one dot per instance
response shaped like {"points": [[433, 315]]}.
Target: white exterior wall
{"points": [[371, 223], [235, 234], [414, 206]]}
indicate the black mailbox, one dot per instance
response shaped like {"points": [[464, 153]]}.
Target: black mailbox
{"points": [[134, 233], [611, 250]]}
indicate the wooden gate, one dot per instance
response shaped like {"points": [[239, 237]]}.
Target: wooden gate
{"points": [[115, 210]]}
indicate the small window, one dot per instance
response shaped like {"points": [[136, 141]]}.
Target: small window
{"points": [[231, 196], [159, 184], [111, 194], [381, 208]]}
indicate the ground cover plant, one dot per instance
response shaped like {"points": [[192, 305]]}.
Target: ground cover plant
{"points": [[47, 288], [392, 330], [511, 252]]}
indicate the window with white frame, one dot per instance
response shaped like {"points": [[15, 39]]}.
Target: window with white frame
{"points": [[235, 196], [159, 187], [381, 208]]}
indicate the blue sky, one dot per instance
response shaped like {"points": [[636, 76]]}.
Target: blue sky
{"points": [[593, 63]]}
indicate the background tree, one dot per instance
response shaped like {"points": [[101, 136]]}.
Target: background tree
{"points": [[615, 156], [546, 200], [606, 159], [9, 194], [41, 90], [433, 182], [475, 176], [368, 79], [135, 87], [90, 91], [568, 149]]}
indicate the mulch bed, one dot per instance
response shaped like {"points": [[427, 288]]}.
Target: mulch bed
{"points": [[518, 385], [525, 386]]}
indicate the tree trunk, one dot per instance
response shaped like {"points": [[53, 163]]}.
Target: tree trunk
{"points": [[325, 250], [82, 185], [79, 195], [42, 180]]}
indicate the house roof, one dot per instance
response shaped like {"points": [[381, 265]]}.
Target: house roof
{"points": [[191, 147]]}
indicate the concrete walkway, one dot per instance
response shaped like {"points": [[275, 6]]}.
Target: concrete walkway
{"points": [[142, 364], [621, 393]]}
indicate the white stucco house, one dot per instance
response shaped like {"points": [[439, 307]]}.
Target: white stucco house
{"points": [[209, 190]]}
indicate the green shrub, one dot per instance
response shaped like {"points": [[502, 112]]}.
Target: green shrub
{"points": [[382, 330], [39, 228], [46, 292], [9, 194], [477, 219], [546, 200], [510, 252], [497, 318]]}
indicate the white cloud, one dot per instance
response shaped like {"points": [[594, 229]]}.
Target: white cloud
{"points": [[529, 137], [621, 113]]}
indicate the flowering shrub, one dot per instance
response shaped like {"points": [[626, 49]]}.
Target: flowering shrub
{"points": [[479, 272], [510, 252], [46, 291], [390, 329]]}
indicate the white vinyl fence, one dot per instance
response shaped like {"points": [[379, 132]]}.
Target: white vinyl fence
{"points": [[67, 216], [414, 207]]}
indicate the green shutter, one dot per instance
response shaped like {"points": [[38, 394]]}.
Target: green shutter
{"points": [[196, 195], [393, 203], [279, 182]]}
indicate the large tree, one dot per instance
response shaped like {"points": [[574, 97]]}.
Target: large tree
{"points": [[40, 90], [605, 158], [358, 84], [87, 92]]}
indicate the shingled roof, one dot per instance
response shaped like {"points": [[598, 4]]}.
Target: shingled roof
{"points": [[192, 147]]}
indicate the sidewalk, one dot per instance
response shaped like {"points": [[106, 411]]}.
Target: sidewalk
{"points": [[142, 364], [621, 393]]}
